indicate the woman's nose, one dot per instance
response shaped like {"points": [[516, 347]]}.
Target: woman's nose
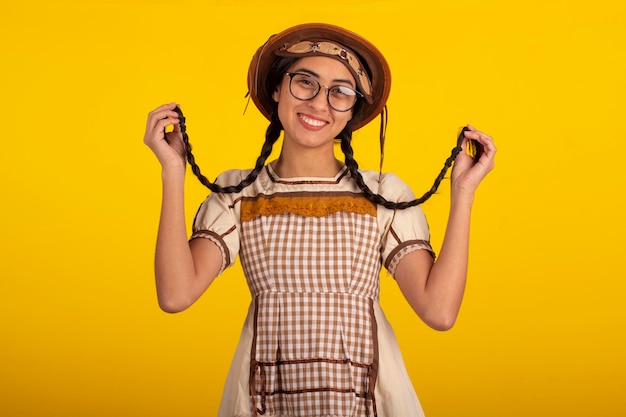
{"points": [[321, 99]]}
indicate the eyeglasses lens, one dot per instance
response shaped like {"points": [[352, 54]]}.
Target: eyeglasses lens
{"points": [[305, 87]]}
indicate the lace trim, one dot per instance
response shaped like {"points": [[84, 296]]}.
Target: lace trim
{"points": [[307, 206]]}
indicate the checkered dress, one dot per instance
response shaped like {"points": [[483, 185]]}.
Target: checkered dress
{"points": [[312, 251]]}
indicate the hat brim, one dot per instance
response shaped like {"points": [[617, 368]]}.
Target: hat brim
{"points": [[373, 60]]}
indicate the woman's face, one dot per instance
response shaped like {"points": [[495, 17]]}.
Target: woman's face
{"points": [[313, 123]]}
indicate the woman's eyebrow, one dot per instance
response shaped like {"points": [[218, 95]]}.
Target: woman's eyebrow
{"points": [[316, 75]]}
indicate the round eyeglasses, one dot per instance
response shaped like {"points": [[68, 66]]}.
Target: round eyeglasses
{"points": [[304, 87]]}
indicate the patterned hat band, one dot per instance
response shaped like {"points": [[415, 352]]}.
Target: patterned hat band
{"points": [[333, 50]]}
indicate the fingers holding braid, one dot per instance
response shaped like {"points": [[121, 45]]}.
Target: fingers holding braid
{"points": [[174, 146], [158, 119], [179, 139], [168, 147], [468, 172], [488, 147]]}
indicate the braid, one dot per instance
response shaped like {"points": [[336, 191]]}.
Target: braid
{"points": [[271, 136], [353, 167]]}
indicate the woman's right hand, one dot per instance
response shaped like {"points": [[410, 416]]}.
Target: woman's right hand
{"points": [[168, 148]]}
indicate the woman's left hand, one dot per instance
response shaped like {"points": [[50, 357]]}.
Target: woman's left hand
{"points": [[467, 173]]}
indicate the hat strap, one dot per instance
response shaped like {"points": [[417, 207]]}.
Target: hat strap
{"points": [[384, 118]]}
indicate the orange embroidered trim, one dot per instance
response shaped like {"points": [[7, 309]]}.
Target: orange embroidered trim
{"points": [[307, 206]]}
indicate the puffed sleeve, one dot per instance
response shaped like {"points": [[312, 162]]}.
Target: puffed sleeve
{"points": [[218, 220], [403, 231]]}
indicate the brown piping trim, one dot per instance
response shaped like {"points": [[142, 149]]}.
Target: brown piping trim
{"points": [[372, 373], [219, 238], [316, 360], [307, 390], [373, 376], [262, 196], [302, 182], [229, 231], [254, 365], [395, 235], [234, 203], [404, 245]]}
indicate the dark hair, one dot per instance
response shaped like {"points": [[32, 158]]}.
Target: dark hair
{"points": [[353, 167], [272, 134], [279, 67]]}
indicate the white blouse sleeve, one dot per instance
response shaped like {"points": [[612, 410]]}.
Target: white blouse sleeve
{"points": [[403, 231], [217, 219]]}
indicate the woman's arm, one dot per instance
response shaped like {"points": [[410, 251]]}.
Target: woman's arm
{"points": [[183, 269], [435, 290]]}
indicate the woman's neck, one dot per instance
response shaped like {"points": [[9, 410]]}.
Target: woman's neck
{"points": [[311, 165]]}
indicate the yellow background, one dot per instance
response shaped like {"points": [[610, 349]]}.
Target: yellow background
{"points": [[541, 330]]}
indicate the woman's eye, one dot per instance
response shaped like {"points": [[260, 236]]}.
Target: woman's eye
{"points": [[342, 91]]}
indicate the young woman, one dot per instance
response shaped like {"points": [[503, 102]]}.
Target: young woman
{"points": [[312, 234]]}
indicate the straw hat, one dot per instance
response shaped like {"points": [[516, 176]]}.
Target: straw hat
{"points": [[362, 58]]}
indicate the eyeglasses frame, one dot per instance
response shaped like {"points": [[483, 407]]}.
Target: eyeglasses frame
{"points": [[357, 96]]}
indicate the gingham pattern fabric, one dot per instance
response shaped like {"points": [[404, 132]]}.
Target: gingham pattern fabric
{"points": [[291, 253], [310, 359], [314, 279], [312, 250]]}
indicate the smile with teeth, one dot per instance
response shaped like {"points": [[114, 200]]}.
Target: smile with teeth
{"points": [[312, 122]]}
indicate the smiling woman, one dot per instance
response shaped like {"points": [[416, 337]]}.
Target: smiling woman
{"points": [[542, 328], [310, 120], [313, 235]]}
